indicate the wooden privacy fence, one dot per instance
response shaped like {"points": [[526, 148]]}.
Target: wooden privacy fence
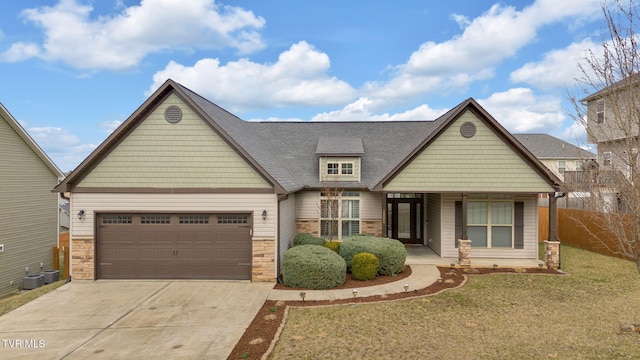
{"points": [[572, 231], [62, 250]]}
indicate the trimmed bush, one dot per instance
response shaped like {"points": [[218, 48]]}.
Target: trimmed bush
{"points": [[364, 266], [391, 253], [333, 245], [307, 239], [313, 267]]}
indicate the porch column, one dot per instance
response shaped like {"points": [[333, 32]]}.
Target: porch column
{"points": [[385, 233], [464, 217], [552, 245], [464, 244]]}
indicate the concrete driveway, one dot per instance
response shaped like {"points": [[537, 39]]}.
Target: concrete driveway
{"points": [[133, 320]]}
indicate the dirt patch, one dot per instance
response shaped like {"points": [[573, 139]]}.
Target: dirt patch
{"points": [[257, 339]]}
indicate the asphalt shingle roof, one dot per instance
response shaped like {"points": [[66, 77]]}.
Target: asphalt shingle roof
{"points": [[545, 146]]}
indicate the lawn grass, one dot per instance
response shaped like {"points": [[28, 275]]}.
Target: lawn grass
{"points": [[506, 316], [15, 300]]}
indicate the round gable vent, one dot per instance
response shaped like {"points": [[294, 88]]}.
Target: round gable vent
{"points": [[468, 130], [173, 114]]}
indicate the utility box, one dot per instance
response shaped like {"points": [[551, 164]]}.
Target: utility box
{"points": [[51, 276], [31, 282]]}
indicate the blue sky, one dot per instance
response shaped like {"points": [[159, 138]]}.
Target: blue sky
{"points": [[73, 70]]}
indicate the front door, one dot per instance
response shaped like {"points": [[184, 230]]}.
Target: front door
{"points": [[404, 219]]}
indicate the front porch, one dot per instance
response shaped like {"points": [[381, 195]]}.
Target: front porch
{"points": [[424, 255]]}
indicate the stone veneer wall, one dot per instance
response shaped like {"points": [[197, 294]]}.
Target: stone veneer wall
{"points": [[464, 252], [371, 227], [263, 267], [82, 259], [311, 226]]}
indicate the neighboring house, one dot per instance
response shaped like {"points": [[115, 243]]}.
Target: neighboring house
{"points": [[185, 189], [64, 217], [613, 124], [28, 216], [567, 161]]}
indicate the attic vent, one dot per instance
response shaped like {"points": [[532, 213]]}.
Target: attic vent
{"points": [[173, 114], [468, 129]]}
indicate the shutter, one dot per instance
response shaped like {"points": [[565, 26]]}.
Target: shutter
{"points": [[518, 230], [458, 231]]}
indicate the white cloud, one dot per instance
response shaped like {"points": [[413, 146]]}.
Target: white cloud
{"points": [[299, 77], [576, 133], [121, 41], [557, 69], [473, 55], [519, 110], [64, 148], [109, 126]]}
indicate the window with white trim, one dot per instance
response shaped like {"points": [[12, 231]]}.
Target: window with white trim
{"points": [[578, 165], [346, 168], [562, 166], [490, 220], [606, 156], [332, 168], [339, 215], [600, 111]]}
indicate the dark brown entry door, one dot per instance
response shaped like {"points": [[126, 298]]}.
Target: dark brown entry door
{"points": [[404, 220]]}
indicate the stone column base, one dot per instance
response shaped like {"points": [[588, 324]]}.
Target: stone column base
{"points": [[464, 252], [552, 254]]}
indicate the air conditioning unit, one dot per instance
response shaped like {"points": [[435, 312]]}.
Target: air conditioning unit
{"points": [[31, 282]]}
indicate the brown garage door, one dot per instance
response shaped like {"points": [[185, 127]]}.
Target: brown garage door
{"points": [[174, 246]]}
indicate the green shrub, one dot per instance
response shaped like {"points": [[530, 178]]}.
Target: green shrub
{"points": [[307, 239], [313, 267], [333, 245], [364, 266], [391, 253]]}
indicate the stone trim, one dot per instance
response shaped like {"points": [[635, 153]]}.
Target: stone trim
{"points": [[552, 254], [83, 259], [311, 226], [263, 264], [371, 227], [464, 252]]}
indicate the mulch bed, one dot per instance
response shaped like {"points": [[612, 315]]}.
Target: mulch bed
{"points": [[257, 338]]}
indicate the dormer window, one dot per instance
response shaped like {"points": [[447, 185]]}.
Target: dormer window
{"points": [[332, 168], [347, 168]]}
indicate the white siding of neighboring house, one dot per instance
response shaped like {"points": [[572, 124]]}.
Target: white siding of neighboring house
{"points": [[287, 229], [99, 202], [530, 250]]}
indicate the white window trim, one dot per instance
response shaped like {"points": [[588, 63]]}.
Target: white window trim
{"points": [[350, 195], [606, 158], [489, 200], [356, 170], [563, 168], [598, 112]]}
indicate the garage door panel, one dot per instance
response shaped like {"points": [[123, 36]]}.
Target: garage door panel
{"points": [[178, 246]]}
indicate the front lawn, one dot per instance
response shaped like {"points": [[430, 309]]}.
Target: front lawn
{"points": [[505, 316]]}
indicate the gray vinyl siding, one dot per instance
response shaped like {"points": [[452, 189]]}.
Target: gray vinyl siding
{"points": [[29, 211], [530, 250], [482, 163], [160, 154], [434, 222], [287, 229], [370, 205]]}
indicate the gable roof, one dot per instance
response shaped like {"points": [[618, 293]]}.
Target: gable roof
{"points": [[545, 146], [4, 114], [286, 153], [451, 116]]}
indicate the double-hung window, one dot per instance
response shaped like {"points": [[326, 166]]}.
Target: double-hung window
{"points": [[600, 111], [490, 220], [562, 166], [339, 215]]}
